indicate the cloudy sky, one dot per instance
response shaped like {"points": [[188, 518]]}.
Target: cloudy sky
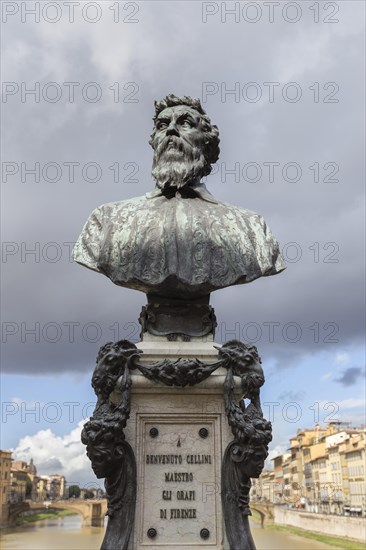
{"points": [[284, 83]]}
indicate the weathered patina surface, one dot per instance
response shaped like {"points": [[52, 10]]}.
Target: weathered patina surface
{"points": [[179, 241], [173, 246], [178, 244]]}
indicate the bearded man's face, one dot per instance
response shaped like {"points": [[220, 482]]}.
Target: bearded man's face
{"points": [[179, 144]]}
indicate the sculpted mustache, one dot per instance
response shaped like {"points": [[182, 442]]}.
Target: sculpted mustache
{"points": [[183, 146]]}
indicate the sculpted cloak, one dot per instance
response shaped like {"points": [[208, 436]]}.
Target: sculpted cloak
{"points": [[186, 243]]}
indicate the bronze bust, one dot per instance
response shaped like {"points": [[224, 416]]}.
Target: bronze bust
{"points": [[178, 241]]}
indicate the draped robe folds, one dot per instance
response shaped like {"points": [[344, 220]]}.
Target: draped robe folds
{"points": [[177, 247]]}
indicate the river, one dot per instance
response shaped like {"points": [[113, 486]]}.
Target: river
{"points": [[66, 533]]}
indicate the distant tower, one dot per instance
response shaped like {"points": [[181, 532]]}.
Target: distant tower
{"points": [[31, 468]]}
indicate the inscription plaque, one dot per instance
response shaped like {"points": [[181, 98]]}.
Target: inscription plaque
{"points": [[179, 473]]}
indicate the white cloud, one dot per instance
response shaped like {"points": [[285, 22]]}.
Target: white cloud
{"points": [[278, 450], [25, 405], [343, 359], [17, 400], [49, 450], [351, 403], [339, 410]]}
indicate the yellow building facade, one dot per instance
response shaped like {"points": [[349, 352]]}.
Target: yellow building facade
{"points": [[322, 472], [5, 473]]}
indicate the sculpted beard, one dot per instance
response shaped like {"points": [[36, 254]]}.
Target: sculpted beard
{"points": [[177, 165]]}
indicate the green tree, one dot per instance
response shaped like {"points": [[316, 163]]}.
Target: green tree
{"points": [[74, 491], [28, 487], [88, 494]]}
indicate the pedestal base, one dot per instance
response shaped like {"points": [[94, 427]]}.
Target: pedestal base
{"points": [[179, 436], [176, 442]]}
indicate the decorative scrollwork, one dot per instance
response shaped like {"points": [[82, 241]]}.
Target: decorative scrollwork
{"points": [[111, 456], [244, 457]]}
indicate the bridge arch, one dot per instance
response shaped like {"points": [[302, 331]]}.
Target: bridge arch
{"points": [[265, 511], [92, 511], [15, 510], [262, 515]]}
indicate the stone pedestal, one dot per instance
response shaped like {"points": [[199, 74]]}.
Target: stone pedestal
{"points": [[178, 436]]}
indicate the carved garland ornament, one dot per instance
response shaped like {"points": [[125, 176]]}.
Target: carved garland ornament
{"points": [[112, 457]]}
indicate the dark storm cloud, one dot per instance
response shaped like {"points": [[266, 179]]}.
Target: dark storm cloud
{"points": [[350, 376], [56, 313]]}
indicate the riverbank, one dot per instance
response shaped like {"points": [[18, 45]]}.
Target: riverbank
{"points": [[68, 532], [39, 516], [331, 540], [338, 542], [341, 527]]}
